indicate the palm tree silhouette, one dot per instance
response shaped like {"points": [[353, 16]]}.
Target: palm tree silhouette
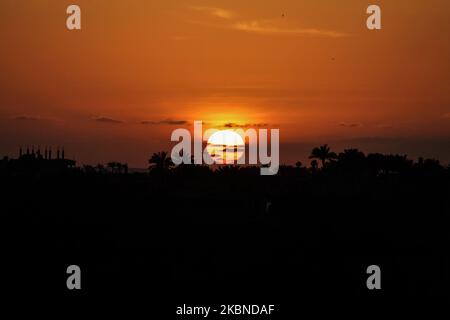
{"points": [[323, 154], [161, 161], [314, 165]]}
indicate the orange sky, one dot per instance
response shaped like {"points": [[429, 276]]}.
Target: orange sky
{"points": [[317, 74]]}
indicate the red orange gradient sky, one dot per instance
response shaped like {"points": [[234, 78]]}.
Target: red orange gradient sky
{"points": [[139, 69]]}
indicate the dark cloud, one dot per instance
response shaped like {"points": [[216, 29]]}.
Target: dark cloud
{"points": [[247, 125], [174, 122], [107, 120], [27, 118], [350, 125], [166, 122]]}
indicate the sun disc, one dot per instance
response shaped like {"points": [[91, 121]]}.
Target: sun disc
{"points": [[225, 146]]}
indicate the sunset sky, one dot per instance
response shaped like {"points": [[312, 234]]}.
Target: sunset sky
{"points": [[139, 69]]}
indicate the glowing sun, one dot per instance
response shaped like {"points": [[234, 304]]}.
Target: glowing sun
{"points": [[225, 146]]}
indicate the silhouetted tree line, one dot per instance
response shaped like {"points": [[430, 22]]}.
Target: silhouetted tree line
{"points": [[350, 161], [324, 161]]}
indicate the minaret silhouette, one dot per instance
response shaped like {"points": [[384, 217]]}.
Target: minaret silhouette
{"points": [[57, 153], [20, 152], [49, 153], [28, 150], [62, 153], [45, 153]]}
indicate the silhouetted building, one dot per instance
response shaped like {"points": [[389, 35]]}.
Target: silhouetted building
{"points": [[35, 161]]}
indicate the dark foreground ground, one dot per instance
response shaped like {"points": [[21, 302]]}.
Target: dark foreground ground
{"points": [[191, 236]]}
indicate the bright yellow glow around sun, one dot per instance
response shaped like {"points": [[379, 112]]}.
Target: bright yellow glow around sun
{"points": [[225, 146]]}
